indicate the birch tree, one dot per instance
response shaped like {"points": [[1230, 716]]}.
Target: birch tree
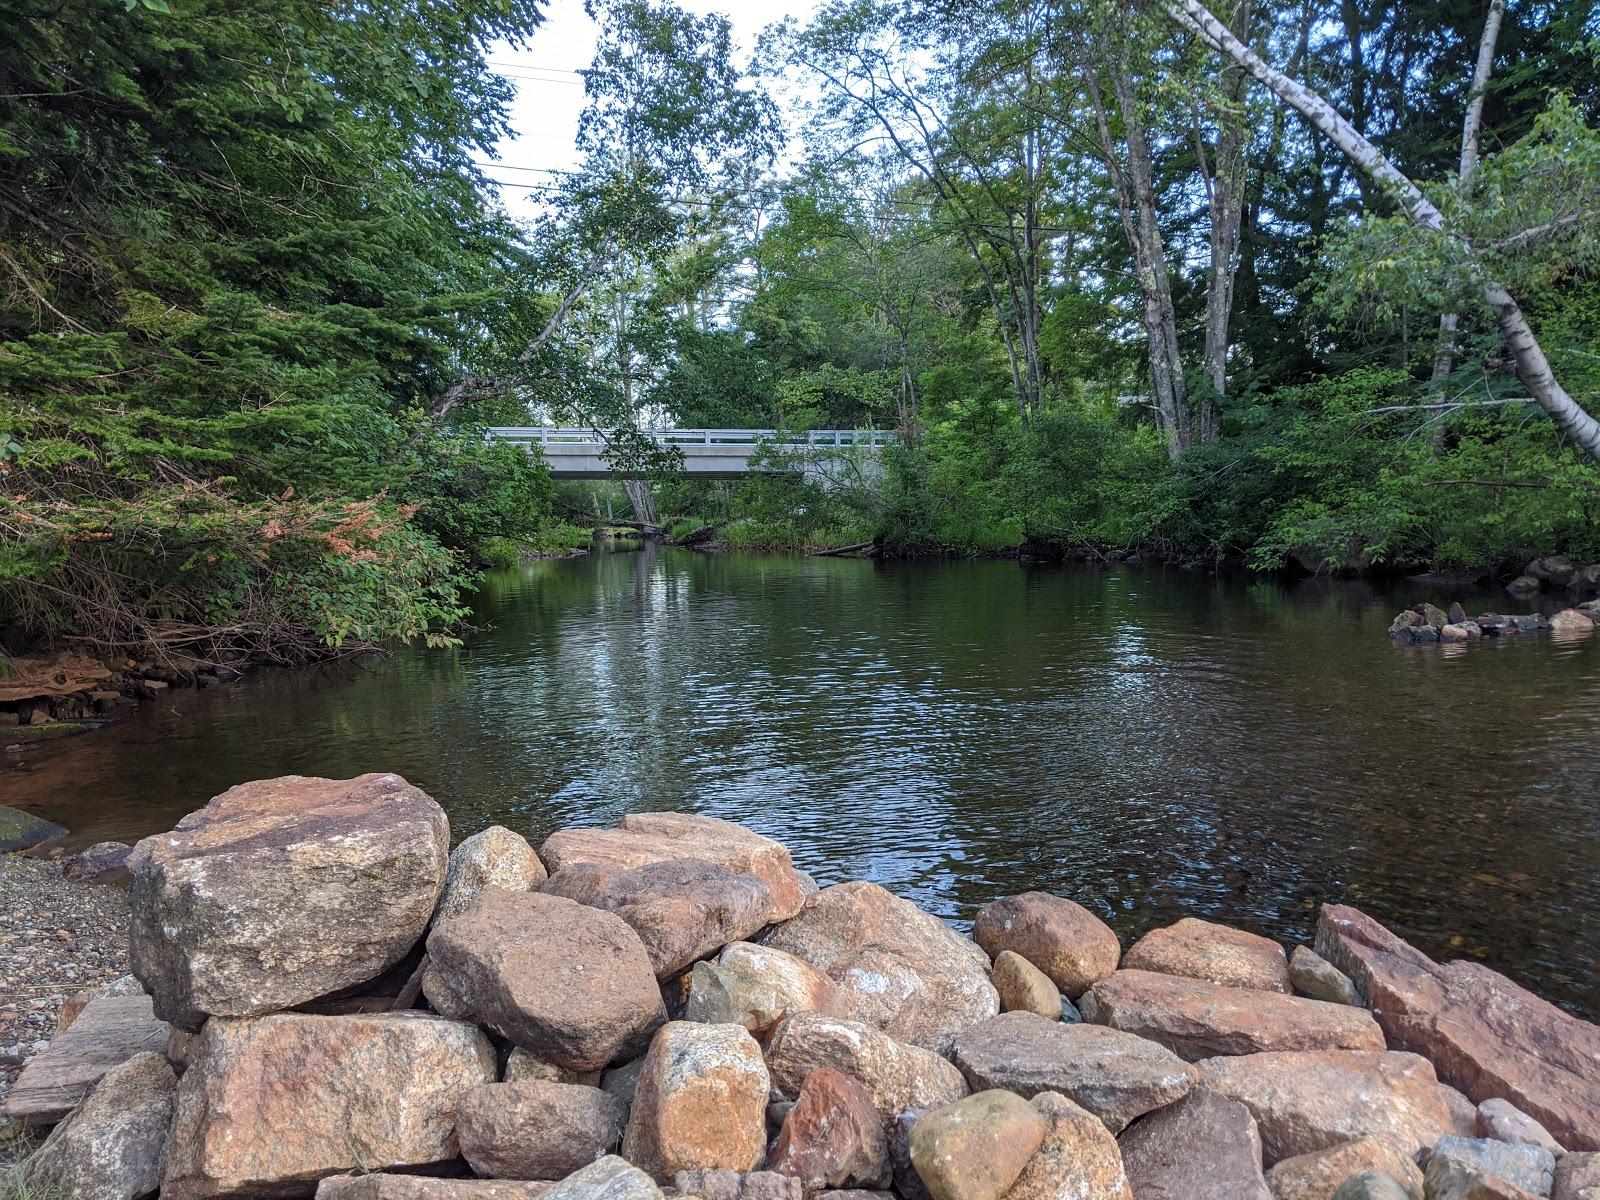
{"points": [[1532, 365]]}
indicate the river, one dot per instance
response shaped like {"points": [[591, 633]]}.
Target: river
{"points": [[1152, 743]]}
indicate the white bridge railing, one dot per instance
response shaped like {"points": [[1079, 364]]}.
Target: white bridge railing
{"points": [[539, 435]]}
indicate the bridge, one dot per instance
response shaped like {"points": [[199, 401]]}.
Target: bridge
{"points": [[823, 454]]}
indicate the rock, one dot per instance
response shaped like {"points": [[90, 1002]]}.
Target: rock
{"points": [[1505, 1122], [103, 862], [1457, 1163], [1577, 1176], [182, 1047], [1314, 1099], [721, 1184], [1570, 620], [570, 983], [110, 1147], [524, 1066], [1554, 570], [1069, 1012], [894, 966], [1318, 1175], [1197, 1020], [1585, 579], [1213, 953], [1371, 1185], [1524, 585], [1457, 614], [419, 1187], [701, 1101], [110, 1030], [833, 1137], [1531, 622], [906, 1181], [1425, 633], [1455, 633], [897, 1075], [659, 837], [493, 857], [975, 1148], [611, 1178], [1318, 979], [623, 1081], [1404, 621], [682, 909], [1078, 1159], [1116, 1076], [282, 891], [1590, 609], [368, 1092], [23, 831], [1063, 939], [1484, 1034], [1432, 614], [1204, 1147], [1495, 624], [537, 1130], [1024, 988], [756, 986]]}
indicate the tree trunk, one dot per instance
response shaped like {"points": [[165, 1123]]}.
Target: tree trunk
{"points": [[1533, 368], [1444, 361]]}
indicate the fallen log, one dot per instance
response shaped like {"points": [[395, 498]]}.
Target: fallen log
{"points": [[837, 551]]}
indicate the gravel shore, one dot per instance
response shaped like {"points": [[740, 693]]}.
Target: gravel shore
{"points": [[56, 938]]}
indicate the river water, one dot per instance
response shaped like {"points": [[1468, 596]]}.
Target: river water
{"points": [[1152, 743]]}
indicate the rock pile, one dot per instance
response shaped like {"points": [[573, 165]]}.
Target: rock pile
{"points": [[671, 1008], [1428, 623]]}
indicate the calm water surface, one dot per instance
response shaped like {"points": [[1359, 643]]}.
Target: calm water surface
{"points": [[1154, 744]]}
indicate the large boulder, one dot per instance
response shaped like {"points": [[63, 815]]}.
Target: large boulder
{"points": [[1117, 1076], [273, 1104], [568, 982], [833, 1137], [1318, 1175], [536, 1129], [1213, 953], [646, 838], [1313, 1099], [282, 891], [1078, 1159], [701, 1102], [756, 986], [1484, 1034], [492, 857], [1198, 1020], [682, 909], [1063, 939], [1554, 570], [894, 966], [110, 1147], [897, 1075], [975, 1148], [1204, 1147]]}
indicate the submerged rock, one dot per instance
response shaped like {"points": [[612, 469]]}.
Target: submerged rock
{"points": [[570, 983], [894, 966], [282, 891], [1213, 953], [1063, 939]]}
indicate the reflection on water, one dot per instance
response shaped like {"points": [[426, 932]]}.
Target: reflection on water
{"points": [[1153, 744]]}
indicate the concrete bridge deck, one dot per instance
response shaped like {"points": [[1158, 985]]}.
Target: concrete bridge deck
{"points": [[707, 453]]}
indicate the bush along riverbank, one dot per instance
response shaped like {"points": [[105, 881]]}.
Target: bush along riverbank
{"points": [[333, 1004]]}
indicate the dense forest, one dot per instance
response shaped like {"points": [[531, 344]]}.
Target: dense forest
{"points": [[1306, 286]]}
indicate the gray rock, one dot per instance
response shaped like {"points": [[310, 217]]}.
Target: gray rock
{"points": [[282, 891], [1554, 570], [1204, 1147], [1457, 1163], [1524, 585], [110, 1147], [1531, 622], [1578, 1177], [1585, 579], [1370, 1185], [420, 1187], [103, 862], [611, 1178], [493, 857], [1425, 633], [1315, 977], [1505, 1122]]}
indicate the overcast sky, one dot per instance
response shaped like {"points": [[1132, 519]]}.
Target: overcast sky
{"points": [[550, 93]]}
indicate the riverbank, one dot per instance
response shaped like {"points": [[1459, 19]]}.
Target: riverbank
{"points": [[671, 1002]]}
